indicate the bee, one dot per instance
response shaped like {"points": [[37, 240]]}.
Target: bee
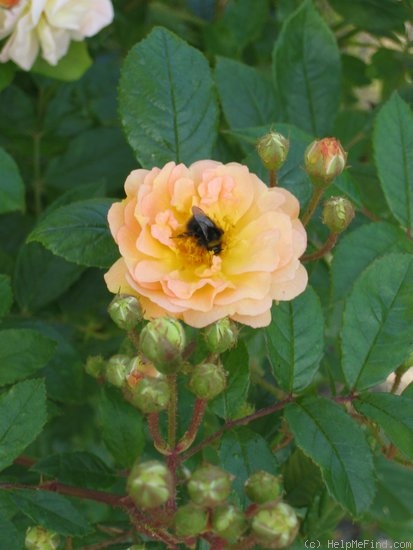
{"points": [[206, 233]]}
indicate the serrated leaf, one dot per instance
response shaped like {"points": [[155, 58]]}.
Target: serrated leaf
{"points": [[393, 153], [334, 441], [11, 185], [295, 346], [22, 353], [377, 16], [79, 233], [376, 334], [393, 414], [70, 67], [22, 417], [359, 248], [52, 511], [306, 68], [6, 295], [167, 104]]}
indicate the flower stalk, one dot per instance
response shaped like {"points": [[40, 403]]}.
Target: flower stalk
{"points": [[327, 246]]}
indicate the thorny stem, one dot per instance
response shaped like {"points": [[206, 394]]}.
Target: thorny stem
{"points": [[188, 438], [172, 410], [158, 441], [327, 246], [315, 199]]}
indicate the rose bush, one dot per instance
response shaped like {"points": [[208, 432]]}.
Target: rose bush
{"points": [[174, 275], [49, 26]]}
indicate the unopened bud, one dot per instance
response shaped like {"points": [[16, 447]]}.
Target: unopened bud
{"points": [[95, 366], [337, 214], [140, 368], [263, 487], [209, 485], [149, 395], [39, 538], [125, 311], [275, 525], [324, 160], [207, 380], [149, 484], [228, 522], [163, 341], [117, 370], [273, 150], [190, 520], [221, 335]]}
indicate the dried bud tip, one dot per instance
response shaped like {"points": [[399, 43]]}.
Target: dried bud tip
{"points": [[324, 160], [337, 214], [273, 150]]}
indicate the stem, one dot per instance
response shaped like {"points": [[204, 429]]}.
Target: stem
{"points": [[327, 246], [158, 441], [188, 438], [172, 410], [315, 199], [134, 338], [273, 178]]}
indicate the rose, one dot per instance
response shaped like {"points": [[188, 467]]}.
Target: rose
{"points": [[173, 272], [49, 26]]}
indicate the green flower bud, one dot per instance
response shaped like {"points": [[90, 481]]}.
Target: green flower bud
{"points": [[275, 525], [162, 341], [39, 538], [207, 380], [273, 150], [324, 160], [221, 335], [150, 395], [228, 522], [263, 487], [245, 409], [125, 311], [117, 370], [149, 484], [95, 366], [209, 485], [337, 214], [139, 369], [190, 520]]}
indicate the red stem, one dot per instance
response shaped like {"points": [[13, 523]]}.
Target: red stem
{"points": [[188, 438], [327, 246]]}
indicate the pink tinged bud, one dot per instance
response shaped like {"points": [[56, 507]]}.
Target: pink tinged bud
{"points": [[95, 366], [207, 380], [273, 150], [125, 311], [39, 538], [324, 160], [228, 522], [190, 520], [338, 213], [209, 485], [149, 484], [163, 341], [263, 487], [221, 335], [149, 395], [275, 525]]}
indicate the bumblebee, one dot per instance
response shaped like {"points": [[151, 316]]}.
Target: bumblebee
{"points": [[205, 232]]}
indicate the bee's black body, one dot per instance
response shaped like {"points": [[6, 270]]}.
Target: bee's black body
{"points": [[205, 232]]}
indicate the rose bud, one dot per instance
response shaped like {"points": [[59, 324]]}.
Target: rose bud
{"points": [[163, 341], [273, 150], [228, 522], [207, 380], [221, 335], [125, 311], [337, 214], [117, 370], [190, 520], [209, 485], [95, 366], [275, 525], [149, 395], [39, 538], [139, 369], [324, 160], [8, 3], [263, 487], [149, 484]]}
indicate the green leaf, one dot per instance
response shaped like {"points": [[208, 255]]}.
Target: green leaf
{"points": [[70, 67], [79, 233], [330, 437], [323, 516], [227, 404], [359, 248], [295, 346], [6, 295], [243, 452], [306, 66], [11, 185], [122, 427], [7, 71], [52, 511], [377, 16], [393, 153], [167, 104], [376, 334], [22, 417], [247, 97], [77, 468], [301, 479], [10, 536], [22, 353], [393, 414], [40, 277]]}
